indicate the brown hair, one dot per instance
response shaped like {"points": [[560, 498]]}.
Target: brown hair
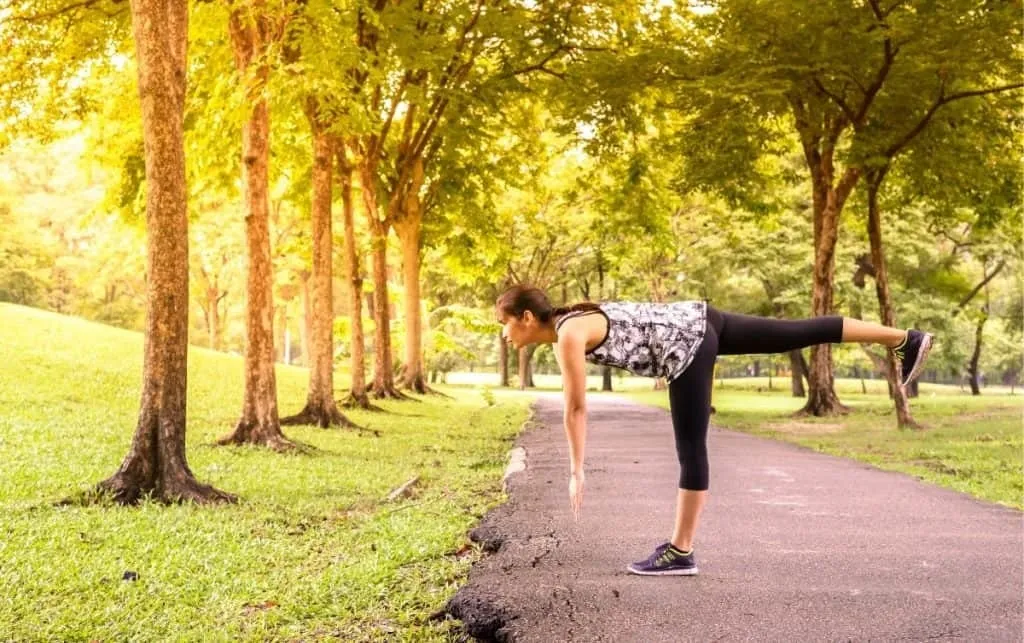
{"points": [[521, 298]]}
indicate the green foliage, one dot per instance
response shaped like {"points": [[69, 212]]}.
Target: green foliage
{"points": [[24, 263], [311, 551], [457, 335], [56, 56]]}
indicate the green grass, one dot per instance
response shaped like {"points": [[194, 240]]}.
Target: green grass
{"points": [[971, 444], [311, 550]]}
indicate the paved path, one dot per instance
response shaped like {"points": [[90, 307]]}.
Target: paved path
{"points": [[794, 546]]}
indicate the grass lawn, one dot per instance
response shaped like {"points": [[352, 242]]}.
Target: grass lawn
{"points": [[972, 444], [310, 551]]}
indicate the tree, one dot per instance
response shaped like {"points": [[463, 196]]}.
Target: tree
{"points": [[321, 408], [156, 463], [865, 60], [358, 397], [253, 30]]}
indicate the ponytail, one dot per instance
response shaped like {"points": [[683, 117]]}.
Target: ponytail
{"points": [[578, 307], [519, 298]]}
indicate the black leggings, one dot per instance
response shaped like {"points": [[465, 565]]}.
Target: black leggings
{"points": [[730, 334]]}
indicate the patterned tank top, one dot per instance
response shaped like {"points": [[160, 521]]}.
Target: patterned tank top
{"points": [[652, 340]]}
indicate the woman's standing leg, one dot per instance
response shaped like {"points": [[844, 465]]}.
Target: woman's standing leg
{"points": [[690, 400]]}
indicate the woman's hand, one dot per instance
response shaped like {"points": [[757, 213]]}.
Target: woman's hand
{"points": [[576, 481]]}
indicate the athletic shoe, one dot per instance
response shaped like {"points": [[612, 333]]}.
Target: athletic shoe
{"points": [[912, 353], [666, 561]]}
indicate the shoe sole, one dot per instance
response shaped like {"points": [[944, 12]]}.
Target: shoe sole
{"points": [[674, 572], [922, 355]]}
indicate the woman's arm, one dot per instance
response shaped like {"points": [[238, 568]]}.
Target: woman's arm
{"points": [[570, 351]]}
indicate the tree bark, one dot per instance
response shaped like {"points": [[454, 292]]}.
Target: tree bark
{"points": [[874, 183], [828, 204], [606, 378], [408, 226], [280, 329], [320, 408], [354, 277], [972, 366], [525, 368], [306, 337], [156, 465], [503, 360], [383, 386], [798, 369], [260, 424], [213, 297]]}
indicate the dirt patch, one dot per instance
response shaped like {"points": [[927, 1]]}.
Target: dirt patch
{"points": [[482, 615], [804, 428]]}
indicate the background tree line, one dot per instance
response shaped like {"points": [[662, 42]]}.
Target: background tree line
{"points": [[219, 171]]}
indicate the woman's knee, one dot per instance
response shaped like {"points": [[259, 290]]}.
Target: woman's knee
{"points": [[693, 465]]}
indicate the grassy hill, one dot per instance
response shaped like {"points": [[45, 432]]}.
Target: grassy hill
{"points": [[312, 550]]}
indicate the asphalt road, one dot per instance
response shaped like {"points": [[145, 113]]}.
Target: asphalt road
{"points": [[793, 546]]}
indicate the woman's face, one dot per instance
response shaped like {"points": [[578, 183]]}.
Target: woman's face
{"points": [[518, 332]]}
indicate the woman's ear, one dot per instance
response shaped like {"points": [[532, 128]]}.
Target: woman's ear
{"points": [[527, 316]]}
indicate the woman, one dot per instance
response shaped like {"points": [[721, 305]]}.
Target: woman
{"points": [[677, 341]]}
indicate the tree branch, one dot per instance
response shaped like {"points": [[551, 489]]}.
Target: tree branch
{"points": [[977, 289], [49, 15], [378, 143], [836, 99], [889, 53], [981, 92], [541, 65], [941, 100]]}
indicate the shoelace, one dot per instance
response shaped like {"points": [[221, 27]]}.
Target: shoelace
{"points": [[664, 558], [901, 352]]}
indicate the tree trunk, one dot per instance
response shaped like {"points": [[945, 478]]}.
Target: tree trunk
{"points": [[525, 371], [408, 226], [911, 388], [972, 367], [354, 277], [798, 369], [213, 315], [828, 204], [280, 329], [882, 365], [320, 408], [156, 463], [503, 360], [306, 330], [606, 378], [383, 386], [874, 183], [259, 423]]}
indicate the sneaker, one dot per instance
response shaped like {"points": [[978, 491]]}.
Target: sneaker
{"points": [[912, 354], [666, 561]]}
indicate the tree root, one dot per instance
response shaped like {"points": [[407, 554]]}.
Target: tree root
{"points": [[321, 417], [260, 436], [388, 393], [360, 402], [124, 489]]}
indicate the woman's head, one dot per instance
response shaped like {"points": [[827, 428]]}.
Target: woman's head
{"points": [[519, 299], [527, 316], [523, 311]]}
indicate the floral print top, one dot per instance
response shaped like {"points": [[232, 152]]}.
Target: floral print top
{"points": [[648, 339]]}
